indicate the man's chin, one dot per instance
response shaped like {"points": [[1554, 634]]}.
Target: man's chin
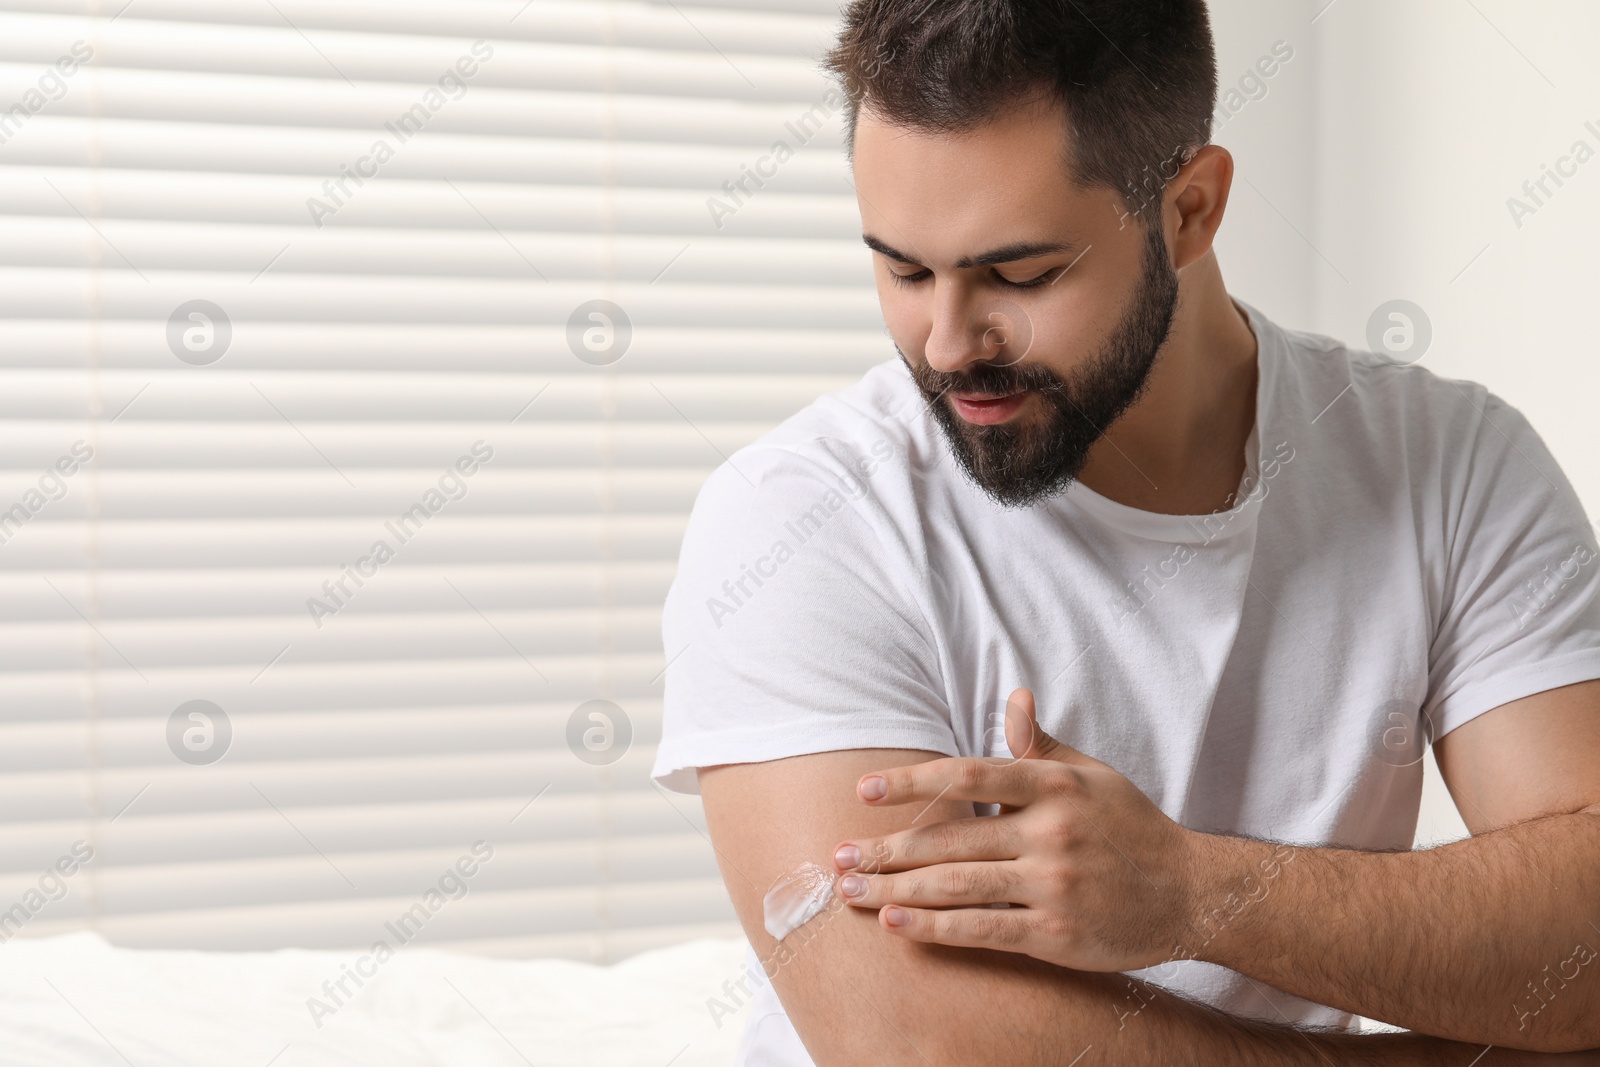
{"points": [[1012, 479], [1016, 494]]}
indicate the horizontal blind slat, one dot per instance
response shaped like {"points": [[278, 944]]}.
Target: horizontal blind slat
{"points": [[603, 150]]}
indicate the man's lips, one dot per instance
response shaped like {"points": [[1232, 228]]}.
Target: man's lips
{"points": [[986, 409]]}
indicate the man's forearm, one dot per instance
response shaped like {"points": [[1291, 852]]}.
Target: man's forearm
{"points": [[1067, 1018], [1493, 939], [978, 1007]]}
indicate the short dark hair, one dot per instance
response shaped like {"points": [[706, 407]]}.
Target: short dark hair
{"points": [[1136, 78]]}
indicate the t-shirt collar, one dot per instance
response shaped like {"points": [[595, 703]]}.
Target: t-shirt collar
{"points": [[1203, 529]]}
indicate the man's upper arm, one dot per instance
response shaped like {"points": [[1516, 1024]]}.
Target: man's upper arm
{"points": [[852, 990], [858, 995], [1514, 576], [1515, 668], [823, 670], [1536, 756]]}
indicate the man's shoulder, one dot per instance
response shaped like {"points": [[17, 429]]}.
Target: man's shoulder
{"points": [[870, 433], [1393, 401], [882, 408], [1381, 432]]}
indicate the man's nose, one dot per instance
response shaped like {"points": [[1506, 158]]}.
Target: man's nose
{"points": [[970, 329], [965, 330]]}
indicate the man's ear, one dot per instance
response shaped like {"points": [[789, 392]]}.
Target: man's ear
{"points": [[1196, 200]]}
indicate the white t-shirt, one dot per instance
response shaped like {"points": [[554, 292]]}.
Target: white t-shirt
{"points": [[1404, 555]]}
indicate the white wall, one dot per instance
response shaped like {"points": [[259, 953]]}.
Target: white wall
{"points": [[1266, 258], [1430, 116]]}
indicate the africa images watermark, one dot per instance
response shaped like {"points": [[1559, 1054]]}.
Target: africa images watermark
{"points": [[1252, 85], [1527, 1007], [779, 153], [52, 886], [1537, 594], [451, 885], [803, 129], [199, 732], [1152, 186], [52, 486], [1253, 890], [407, 125], [599, 732], [1538, 191], [452, 487], [50, 87], [1143, 589]]}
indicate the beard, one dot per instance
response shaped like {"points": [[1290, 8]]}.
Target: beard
{"points": [[1024, 461]]}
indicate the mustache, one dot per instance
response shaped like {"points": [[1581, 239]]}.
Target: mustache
{"points": [[993, 378]]}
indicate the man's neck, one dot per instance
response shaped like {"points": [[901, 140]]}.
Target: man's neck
{"points": [[1180, 449]]}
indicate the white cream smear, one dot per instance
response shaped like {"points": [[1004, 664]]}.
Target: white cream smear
{"points": [[795, 899]]}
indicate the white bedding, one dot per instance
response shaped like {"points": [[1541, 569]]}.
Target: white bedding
{"points": [[75, 1000]]}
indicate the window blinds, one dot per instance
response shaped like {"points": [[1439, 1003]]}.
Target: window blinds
{"points": [[361, 362]]}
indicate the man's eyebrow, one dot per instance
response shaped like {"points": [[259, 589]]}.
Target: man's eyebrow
{"points": [[1005, 254]]}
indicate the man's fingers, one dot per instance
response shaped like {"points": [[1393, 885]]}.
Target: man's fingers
{"points": [[978, 779], [953, 841], [941, 886], [1005, 929], [1027, 739]]}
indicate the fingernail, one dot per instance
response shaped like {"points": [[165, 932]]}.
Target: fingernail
{"points": [[896, 916], [852, 885], [874, 788], [847, 857]]}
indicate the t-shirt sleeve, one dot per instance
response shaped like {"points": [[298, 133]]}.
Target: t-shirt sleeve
{"points": [[1521, 592], [794, 623]]}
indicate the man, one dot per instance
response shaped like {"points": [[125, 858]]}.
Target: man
{"points": [[1215, 585]]}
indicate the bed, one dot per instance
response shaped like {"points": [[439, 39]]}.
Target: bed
{"points": [[76, 1000]]}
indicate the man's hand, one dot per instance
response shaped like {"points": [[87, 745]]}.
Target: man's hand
{"points": [[1097, 877]]}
